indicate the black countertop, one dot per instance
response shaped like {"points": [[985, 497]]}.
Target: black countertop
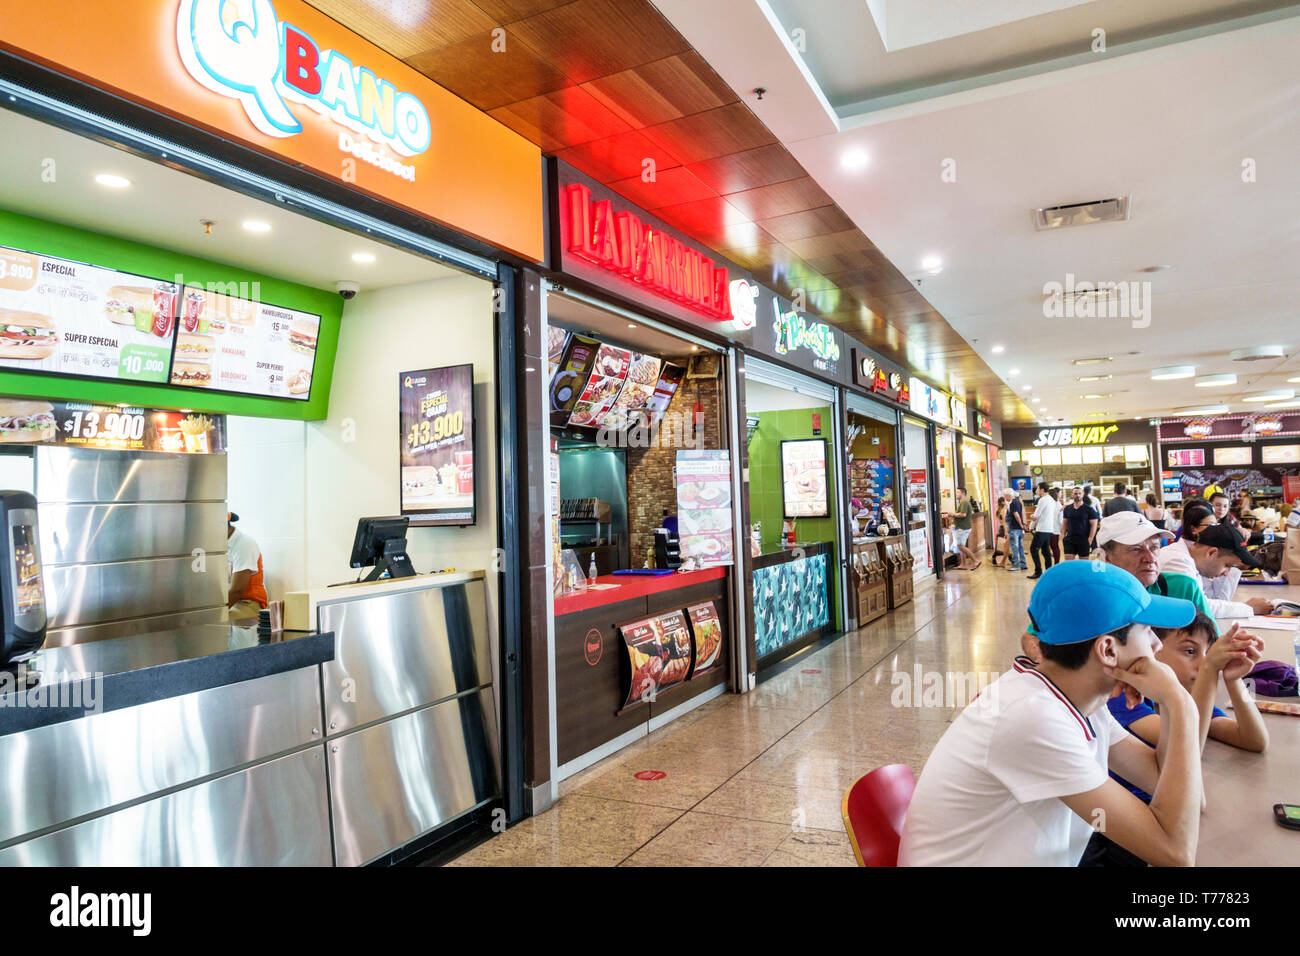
{"points": [[83, 679]]}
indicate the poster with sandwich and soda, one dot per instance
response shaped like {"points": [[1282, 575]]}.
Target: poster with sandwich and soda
{"points": [[436, 422], [71, 318]]}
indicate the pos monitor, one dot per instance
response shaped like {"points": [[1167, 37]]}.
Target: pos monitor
{"points": [[380, 543]]}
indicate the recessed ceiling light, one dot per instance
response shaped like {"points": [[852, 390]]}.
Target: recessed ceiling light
{"points": [[695, 348], [1204, 410], [1291, 404], [999, 349], [1216, 381], [1092, 378], [112, 181], [1014, 372], [1293, 379], [1277, 395], [1038, 401], [1027, 388], [1258, 353], [932, 265], [256, 225], [1094, 361], [631, 325], [363, 257], [855, 159], [1092, 395], [1170, 372]]}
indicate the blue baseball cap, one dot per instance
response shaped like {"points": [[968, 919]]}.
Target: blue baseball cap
{"points": [[1076, 601]]}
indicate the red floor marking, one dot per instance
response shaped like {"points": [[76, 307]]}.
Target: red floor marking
{"points": [[649, 774]]}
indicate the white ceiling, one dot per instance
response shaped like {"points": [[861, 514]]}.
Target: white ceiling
{"points": [[1171, 126], [163, 207]]}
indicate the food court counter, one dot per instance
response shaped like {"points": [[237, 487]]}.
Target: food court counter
{"points": [[593, 664], [791, 597]]}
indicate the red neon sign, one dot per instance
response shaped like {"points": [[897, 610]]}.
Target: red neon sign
{"points": [[621, 243]]}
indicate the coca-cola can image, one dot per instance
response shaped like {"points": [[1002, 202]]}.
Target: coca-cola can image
{"points": [[192, 312], [164, 309], [464, 472]]}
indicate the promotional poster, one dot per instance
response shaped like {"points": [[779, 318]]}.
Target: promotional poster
{"points": [[83, 425], [437, 450], [704, 516]]}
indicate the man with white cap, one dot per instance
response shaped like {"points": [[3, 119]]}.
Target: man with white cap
{"points": [[1129, 541], [1020, 776]]}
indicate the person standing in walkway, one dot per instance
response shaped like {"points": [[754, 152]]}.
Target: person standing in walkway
{"points": [[1044, 526], [1056, 532], [1121, 502], [1080, 523], [1015, 531], [961, 528]]}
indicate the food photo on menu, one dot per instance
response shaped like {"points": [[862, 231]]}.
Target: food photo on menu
{"points": [[642, 377], [436, 418], [236, 345], [607, 378], [73, 318], [803, 473]]}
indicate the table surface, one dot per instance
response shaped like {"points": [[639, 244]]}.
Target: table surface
{"points": [[1237, 827]]}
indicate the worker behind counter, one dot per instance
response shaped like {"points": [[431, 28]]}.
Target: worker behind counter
{"points": [[247, 595]]}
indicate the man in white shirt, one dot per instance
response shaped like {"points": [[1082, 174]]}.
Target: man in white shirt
{"points": [[1021, 778], [1216, 553], [1045, 523]]}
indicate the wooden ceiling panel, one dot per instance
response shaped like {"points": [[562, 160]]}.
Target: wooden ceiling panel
{"points": [[663, 90], [716, 132], [611, 87], [561, 119], [588, 39], [489, 80], [407, 27]]}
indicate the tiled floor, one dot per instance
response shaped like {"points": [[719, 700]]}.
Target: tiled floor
{"points": [[756, 779]]}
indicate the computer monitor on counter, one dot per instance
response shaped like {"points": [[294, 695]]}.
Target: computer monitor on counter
{"points": [[380, 543]]}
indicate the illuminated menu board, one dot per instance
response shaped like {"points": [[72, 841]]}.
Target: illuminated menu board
{"points": [[231, 344], [62, 317]]}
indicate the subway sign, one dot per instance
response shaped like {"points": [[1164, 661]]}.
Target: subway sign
{"points": [[619, 242], [1081, 435]]}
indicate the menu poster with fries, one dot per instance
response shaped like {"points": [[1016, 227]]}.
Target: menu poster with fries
{"points": [[704, 522], [118, 428], [659, 650], [708, 637], [436, 419], [607, 378], [803, 476]]}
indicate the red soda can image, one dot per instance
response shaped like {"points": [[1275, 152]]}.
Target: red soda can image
{"points": [[192, 310], [164, 309]]}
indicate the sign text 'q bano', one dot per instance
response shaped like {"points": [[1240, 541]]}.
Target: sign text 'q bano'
{"points": [[241, 49]]}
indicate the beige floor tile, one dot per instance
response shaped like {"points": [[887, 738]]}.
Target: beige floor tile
{"points": [[715, 840], [690, 777], [814, 807], [813, 847]]}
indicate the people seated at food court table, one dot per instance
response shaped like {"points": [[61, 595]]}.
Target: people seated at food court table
{"points": [[1020, 778]]}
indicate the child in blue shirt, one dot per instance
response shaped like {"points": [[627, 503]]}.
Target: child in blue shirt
{"points": [[1198, 657]]}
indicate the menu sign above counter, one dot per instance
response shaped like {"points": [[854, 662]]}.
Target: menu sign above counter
{"points": [[71, 318], [82, 425], [237, 345]]}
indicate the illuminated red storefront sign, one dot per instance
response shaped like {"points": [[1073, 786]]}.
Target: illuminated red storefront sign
{"points": [[621, 243]]}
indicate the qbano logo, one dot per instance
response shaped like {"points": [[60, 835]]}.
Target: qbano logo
{"points": [[240, 49]]}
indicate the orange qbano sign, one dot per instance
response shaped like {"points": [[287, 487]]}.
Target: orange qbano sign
{"points": [[287, 80]]}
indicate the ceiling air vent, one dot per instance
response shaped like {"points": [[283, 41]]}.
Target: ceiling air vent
{"points": [[1082, 213]]}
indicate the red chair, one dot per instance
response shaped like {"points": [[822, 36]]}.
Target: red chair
{"points": [[873, 810]]}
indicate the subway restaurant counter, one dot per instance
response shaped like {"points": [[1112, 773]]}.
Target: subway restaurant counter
{"points": [[628, 587]]}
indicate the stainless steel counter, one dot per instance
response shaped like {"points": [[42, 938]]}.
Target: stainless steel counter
{"points": [[212, 746]]}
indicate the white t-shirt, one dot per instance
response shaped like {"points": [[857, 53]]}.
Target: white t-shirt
{"points": [[241, 553], [989, 795]]}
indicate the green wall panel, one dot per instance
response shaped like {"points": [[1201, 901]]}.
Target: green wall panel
{"points": [[39, 236]]}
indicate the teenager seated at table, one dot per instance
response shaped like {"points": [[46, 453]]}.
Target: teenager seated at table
{"points": [[1198, 657], [1020, 777]]}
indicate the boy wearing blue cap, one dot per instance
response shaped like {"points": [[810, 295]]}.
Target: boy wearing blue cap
{"points": [[1020, 778]]}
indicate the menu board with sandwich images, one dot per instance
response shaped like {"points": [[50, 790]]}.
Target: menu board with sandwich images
{"points": [[232, 344], [707, 629], [603, 388], [659, 651], [436, 419], [704, 521], [71, 318], [803, 476], [113, 427], [571, 376]]}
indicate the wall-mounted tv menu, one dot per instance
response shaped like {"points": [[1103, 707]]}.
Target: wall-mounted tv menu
{"points": [[63, 317], [232, 344], [436, 418]]}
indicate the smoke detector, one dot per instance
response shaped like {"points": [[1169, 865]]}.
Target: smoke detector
{"points": [[1259, 353], [1082, 213]]}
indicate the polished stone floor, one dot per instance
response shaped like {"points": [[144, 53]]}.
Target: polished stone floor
{"points": [[757, 779]]}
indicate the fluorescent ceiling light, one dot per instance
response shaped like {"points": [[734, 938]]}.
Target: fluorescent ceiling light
{"points": [[256, 225], [1293, 379], [363, 257], [1216, 381], [1014, 372], [1277, 395], [1093, 378], [1258, 352], [1170, 372], [1204, 410], [112, 181], [1027, 388], [1293, 403], [1093, 361], [999, 349], [1092, 395]]}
